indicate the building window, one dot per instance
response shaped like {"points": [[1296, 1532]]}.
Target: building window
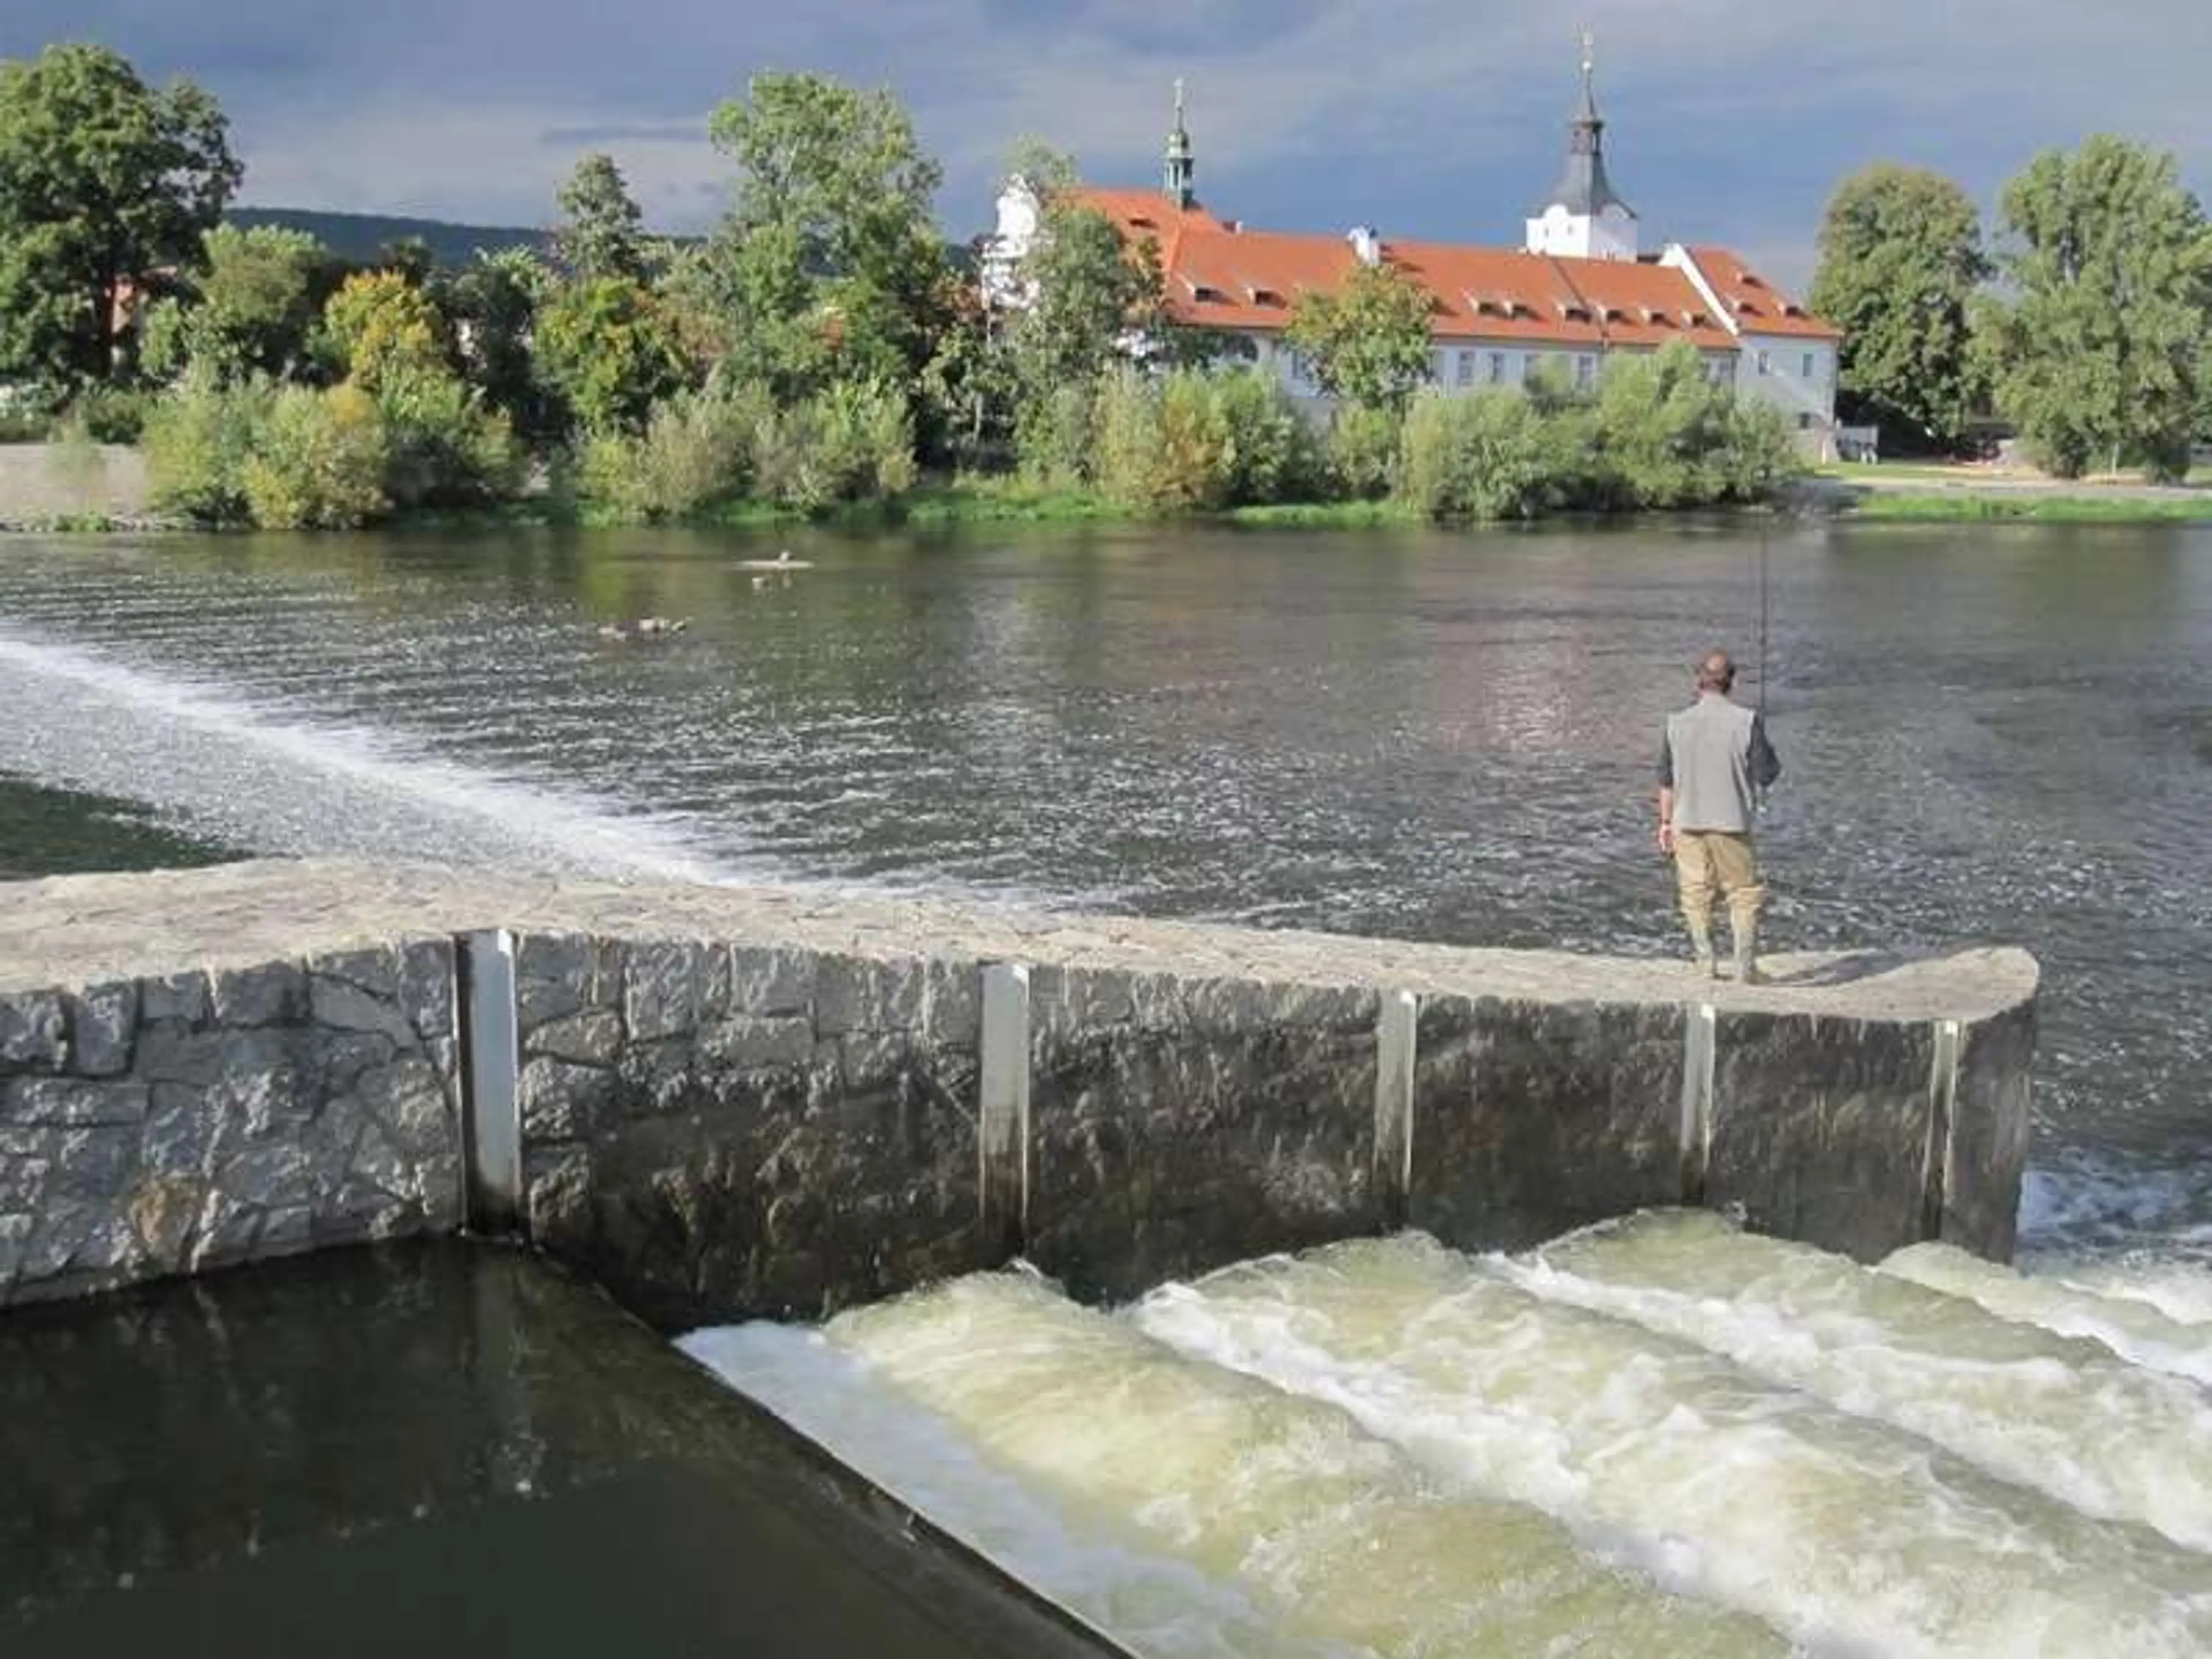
{"points": [[1765, 363], [1497, 366], [1804, 423], [1466, 368], [1585, 372], [1810, 370]]}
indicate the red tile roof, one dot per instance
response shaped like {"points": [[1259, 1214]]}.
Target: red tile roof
{"points": [[1220, 276], [1757, 306]]}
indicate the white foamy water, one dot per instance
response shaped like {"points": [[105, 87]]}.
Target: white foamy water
{"points": [[278, 783], [2182, 1291], [2062, 1415], [1335, 1537], [2132, 1327], [1145, 1597], [1850, 1536]]}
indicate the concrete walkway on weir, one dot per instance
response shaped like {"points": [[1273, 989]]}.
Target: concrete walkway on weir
{"points": [[440, 1449], [82, 930]]}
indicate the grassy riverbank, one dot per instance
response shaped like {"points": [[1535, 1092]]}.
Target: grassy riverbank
{"points": [[2031, 507]]}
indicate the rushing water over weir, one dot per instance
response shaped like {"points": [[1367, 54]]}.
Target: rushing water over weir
{"points": [[1388, 1448]]}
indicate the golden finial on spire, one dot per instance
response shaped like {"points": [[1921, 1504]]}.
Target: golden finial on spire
{"points": [[1589, 52]]}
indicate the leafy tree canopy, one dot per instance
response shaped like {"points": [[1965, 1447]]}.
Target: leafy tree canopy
{"points": [[2097, 346], [602, 232], [1368, 341], [1900, 260], [830, 265], [103, 180], [251, 309], [609, 347]]}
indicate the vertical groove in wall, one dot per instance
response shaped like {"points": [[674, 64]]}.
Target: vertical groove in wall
{"points": [[1943, 1098], [1698, 1057], [491, 1065], [1002, 1119], [1395, 1027]]}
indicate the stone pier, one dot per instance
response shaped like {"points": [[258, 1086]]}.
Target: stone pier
{"points": [[734, 1101]]}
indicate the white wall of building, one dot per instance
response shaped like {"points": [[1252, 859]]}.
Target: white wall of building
{"points": [[1798, 375], [1609, 234]]}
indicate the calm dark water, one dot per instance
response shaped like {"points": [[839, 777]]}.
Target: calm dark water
{"points": [[1991, 735], [438, 1451]]}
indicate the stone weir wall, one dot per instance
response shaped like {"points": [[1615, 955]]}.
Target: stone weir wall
{"points": [[738, 1101]]}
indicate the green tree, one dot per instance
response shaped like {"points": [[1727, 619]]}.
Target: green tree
{"points": [[602, 232], [1902, 259], [611, 351], [251, 308], [103, 180], [384, 328], [491, 305], [1089, 290], [1368, 341], [829, 266], [2097, 347]]}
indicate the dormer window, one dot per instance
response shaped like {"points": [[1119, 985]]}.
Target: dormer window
{"points": [[1262, 296]]}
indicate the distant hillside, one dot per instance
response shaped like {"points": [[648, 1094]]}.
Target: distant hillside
{"points": [[360, 236]]}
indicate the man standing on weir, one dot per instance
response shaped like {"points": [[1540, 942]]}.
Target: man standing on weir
{"points": [[1713, 763]]}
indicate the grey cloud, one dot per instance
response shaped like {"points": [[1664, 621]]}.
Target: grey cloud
{"points": [[1732, 118]]}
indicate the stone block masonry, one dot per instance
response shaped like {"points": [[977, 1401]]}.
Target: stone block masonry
{"points": [[727, 1102]]}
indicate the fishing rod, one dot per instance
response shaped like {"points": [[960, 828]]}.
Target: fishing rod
{"points": [[1765, 614]]}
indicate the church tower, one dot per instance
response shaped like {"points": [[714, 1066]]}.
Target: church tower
{"points": [[1181, 168], [1585, 219]]}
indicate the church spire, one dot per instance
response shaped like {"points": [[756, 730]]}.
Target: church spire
{"points": [[1585, 216], [1182, 167]]}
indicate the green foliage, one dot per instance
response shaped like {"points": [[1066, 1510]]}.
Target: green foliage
{"points": [[1191, 442], [2097, 349], [251, 308], [696, 449], [1056, 440], [828, 266], [384, 327], [602, 233], [1901, 259], [607, 345], [442, 447], [1274, 453], [197, 441], [851, 442], [108, 414], [318, 461], [1362, 451], [492, 305], [1490, 455], [1091, 290], [1657, 435], [1369, 340], [102, 180], [1663, 431]]}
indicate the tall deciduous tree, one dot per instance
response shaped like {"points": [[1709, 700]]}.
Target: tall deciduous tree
{"points": [[103, 179], [830, 266], [2097, 347], [1369, 340], [1901, 259], [602, 231], [251, 309]]}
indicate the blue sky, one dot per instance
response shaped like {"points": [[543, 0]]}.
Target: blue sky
{"points": [[1731, 120]]}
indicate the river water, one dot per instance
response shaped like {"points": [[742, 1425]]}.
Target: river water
{"points": [[1663, 1439]]}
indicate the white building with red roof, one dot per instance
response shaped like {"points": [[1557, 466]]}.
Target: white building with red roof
{"points": [[1579, 289]]}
